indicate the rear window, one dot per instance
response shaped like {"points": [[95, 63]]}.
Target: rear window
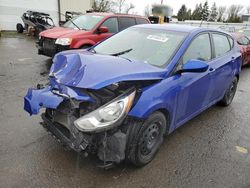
{"points": [[126, 22], [141, 21], [221, 44]]}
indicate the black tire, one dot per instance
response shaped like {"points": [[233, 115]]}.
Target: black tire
{"points": [[86, 46], [19, 28], [145, 138], [230, 93]]}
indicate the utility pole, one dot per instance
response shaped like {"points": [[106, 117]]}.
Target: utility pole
{"points": [[161, 1]]}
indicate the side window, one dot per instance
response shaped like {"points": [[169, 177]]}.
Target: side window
{"points": [[221, 44], [111, 24], [243, 41], [141, 21], [126, 22], [200, 49], [231, 41]]}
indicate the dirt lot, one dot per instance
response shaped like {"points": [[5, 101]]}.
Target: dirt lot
{"points": [[212, 150]]}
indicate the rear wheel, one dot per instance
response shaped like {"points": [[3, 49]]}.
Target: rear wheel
{"points": [[145, 138], [230, 93], [19, 28]]}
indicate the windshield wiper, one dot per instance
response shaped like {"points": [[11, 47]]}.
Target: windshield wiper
{"points": [[122, 52], [74, 24]]}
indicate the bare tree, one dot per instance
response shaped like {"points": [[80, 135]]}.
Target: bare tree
{"points": [[119, 4], [248, 10], [233, 13], [148, 10], [221, 12], [102, 6], [129, 7]]}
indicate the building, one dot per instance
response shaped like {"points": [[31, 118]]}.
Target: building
{"points": [[245, 18], [11, 11]]}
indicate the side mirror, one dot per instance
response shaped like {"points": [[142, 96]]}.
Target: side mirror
{"points": [[194, 65], [103, 29]]}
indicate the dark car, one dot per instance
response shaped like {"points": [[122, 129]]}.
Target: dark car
{"points": [[37, 21], [119, 98], [244, 44], [85, 31]]}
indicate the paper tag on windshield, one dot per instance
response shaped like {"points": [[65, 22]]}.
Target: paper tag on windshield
{"points": [[157, 38]]}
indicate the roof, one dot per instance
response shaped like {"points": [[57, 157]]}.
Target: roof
{"points": [[178, 28], [114, 14], [171, 27]]}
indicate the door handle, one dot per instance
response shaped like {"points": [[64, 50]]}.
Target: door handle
{"points": [[233, 59], [211, 69]]}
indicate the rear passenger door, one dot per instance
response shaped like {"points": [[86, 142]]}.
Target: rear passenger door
{"points": [[125, 22], [222, 65]]}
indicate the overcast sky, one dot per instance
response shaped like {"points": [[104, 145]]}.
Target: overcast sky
{"points": [[176, 4]]}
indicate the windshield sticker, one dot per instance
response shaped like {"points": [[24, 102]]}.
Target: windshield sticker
{"points": [[157, 38]]}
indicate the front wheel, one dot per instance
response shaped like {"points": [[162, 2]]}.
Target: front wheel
{"points": [[230, 93], [19, 28], [145, 138]]}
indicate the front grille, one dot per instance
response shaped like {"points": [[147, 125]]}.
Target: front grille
{"points": [[49, 44]]}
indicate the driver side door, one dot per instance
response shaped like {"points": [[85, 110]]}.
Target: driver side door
{"points": [[111, 24], [195, 89]]}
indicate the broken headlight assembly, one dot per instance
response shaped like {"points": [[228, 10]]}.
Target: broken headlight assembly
{"points": [[108, 115]]}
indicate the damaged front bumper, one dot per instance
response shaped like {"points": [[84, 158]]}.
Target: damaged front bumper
{"points": [[62, 103]]}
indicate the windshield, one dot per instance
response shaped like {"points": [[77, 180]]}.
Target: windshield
{"points": [[152, 46], [86, 22], [247, 32]]}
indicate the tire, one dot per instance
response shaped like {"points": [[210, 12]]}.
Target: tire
{"points": [[86, 46], [145, 139], [230, 93], [19, 28]]}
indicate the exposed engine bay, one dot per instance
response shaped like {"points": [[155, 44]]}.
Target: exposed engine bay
{"points": [[108, 143]]}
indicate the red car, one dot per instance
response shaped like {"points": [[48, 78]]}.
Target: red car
{"points": [[84, 31], [244, 44]]}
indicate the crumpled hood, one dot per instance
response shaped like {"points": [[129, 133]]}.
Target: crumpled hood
{"points": [[83, 69], [61, 32]]}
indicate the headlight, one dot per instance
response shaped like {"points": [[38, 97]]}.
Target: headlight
{"points": [[64, 41], [106, 116]]}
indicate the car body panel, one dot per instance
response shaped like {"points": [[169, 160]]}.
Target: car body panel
{"points": [[79, 69], [245, 49]]}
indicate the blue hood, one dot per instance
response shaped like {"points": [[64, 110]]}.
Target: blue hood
{"points": [[83, 69]]}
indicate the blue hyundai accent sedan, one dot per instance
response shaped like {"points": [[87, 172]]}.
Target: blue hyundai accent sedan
{"points": [[119, 98]]}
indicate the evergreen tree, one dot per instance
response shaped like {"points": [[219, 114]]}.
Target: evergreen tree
{"points": [[205, 11], [182, 13], [214, 13], [197, 13]]}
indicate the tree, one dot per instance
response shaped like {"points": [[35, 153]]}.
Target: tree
{"points": [[121, 6], [197, 13], [205, 11], [147, 10], [248, 10], [214, 13], [182, 13], [189, 14], [221, 12], [129, 7], [233, 13], [102, 6]]}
